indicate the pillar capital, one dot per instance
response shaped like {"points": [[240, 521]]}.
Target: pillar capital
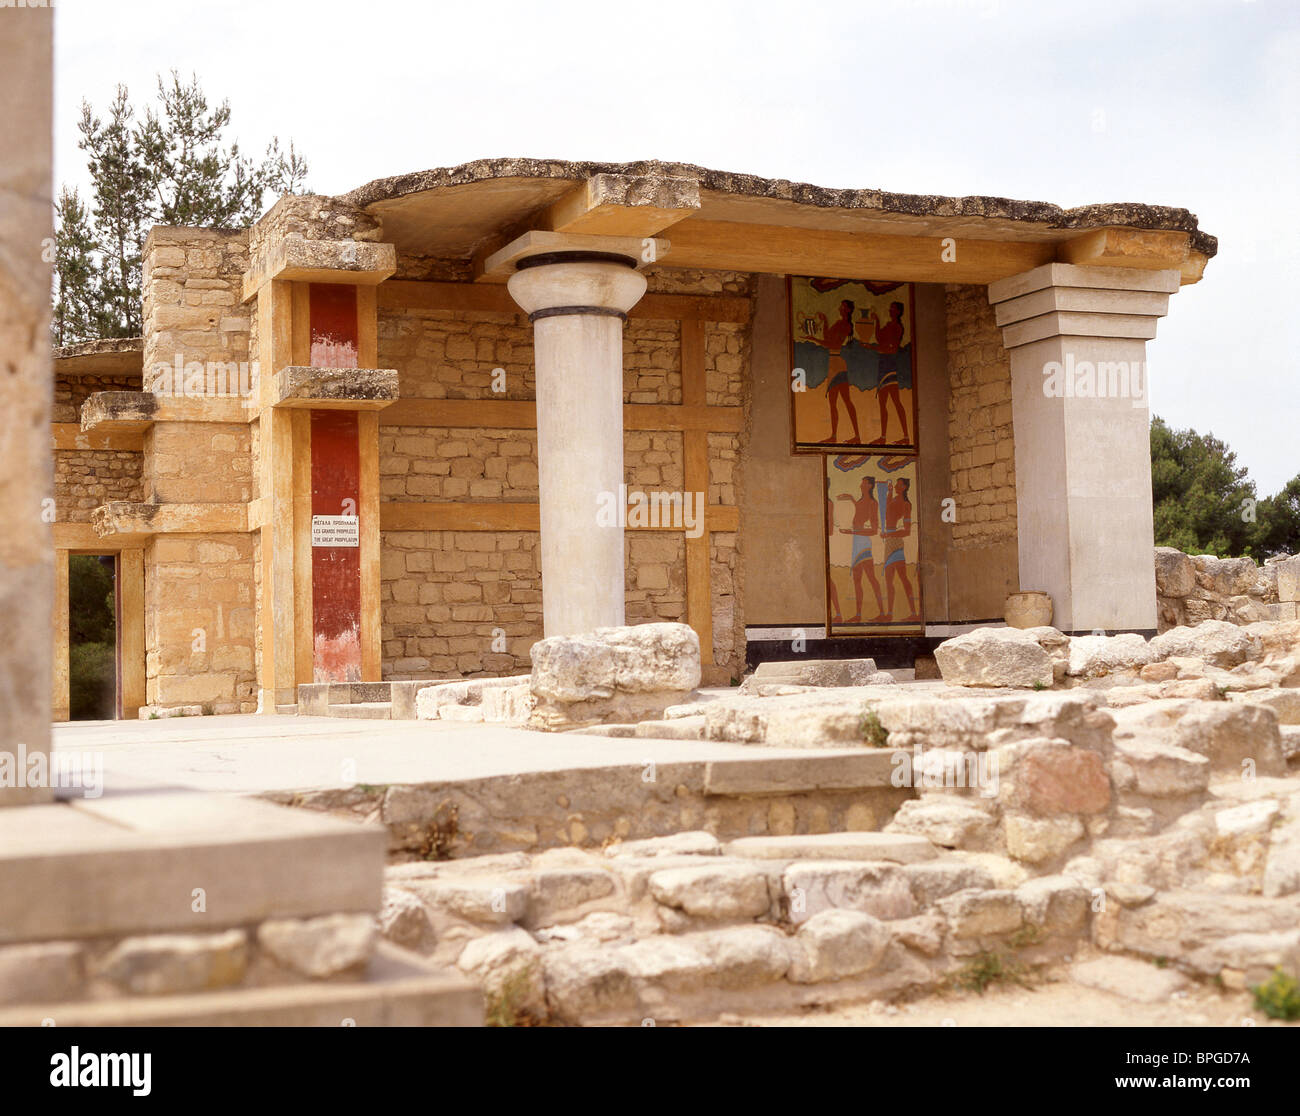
{"points": [[1065, 300], [553, 284]]}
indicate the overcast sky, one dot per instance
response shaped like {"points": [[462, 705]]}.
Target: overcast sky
{"points": [[1190, 103]]}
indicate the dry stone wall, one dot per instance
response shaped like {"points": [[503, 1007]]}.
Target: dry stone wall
{"points": [[70, 392], [84, 479], [981, 442], [1191, 589]]}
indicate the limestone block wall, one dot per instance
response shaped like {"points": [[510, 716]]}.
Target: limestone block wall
{"points": [[1191, 589], [982, 558], [200, 622], [70, 392], [192, 285], [200, 596], [459, 602], [84, 479], [447, 596], [980, 438], [198, 463]]}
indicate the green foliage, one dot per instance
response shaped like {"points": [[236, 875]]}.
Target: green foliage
{"points": [[988, 968], [505, 1002], [92, 681], [1279, 997], [91, 605], [873, 732], [170, 167], [1204, 503]]}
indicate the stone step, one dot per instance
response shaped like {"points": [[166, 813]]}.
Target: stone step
{"points": [[362, 710], [899, 847], [399, 989], [130, 863]]}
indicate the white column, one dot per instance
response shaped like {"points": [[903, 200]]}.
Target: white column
{"points": [[1077, 338], [577, 304]]}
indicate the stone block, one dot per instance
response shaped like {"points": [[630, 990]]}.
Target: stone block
{"points": [[994, 657], [320, 947], [171, 964], [835, 944]]}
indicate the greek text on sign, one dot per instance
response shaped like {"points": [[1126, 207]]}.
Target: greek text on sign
{"points": [[335, 530]]}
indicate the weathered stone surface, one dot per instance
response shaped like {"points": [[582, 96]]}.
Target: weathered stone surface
{"points": [[1133, 980], [981, 914], [644, 658], [717, 890], [320, 947], [1247, 819], [404, 921], [937, 879], [994, 657], [1228, 733], [878, 889], [1036, 840], [1054, 903], [1054, 777], [698, 842], [1164, 770], [40, 972], [166, 964], [1285, 703], [833, 945], [946, 821], [742, 956], [812, 672], [560, 891], [479, 900], [1254, 955], [1215, 641], [1282, 869], [923, 933], [507, 963], [1175, 574], [899, 847], [1177, 922], [588, 984], [1095, 655]]}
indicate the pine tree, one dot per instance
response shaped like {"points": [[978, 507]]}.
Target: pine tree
{"points": [[172, 167]]}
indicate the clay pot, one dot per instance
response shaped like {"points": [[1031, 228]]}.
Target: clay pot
{"points": [[1031, 609]]}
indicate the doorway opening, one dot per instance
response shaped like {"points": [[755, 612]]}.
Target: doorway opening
{"points": [[93, 644]]}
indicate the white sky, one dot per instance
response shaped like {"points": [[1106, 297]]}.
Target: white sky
{"points": [[1191, 103]]}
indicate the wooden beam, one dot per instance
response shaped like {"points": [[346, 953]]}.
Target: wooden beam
{"points": [[781, 250], [70, 436], [1146, 249], [81, 537], [369, 513], [521, 414], [303, 607], [695, 450], [472, 298], [622, 205], [498, 266], [485, 516], [131, 682], [60, 684], [299, 324]]}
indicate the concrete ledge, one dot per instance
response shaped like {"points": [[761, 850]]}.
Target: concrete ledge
{"points": [[359, 262], [130, 412], [399, 990], [832, 770], [352, 389], [137, 863]]}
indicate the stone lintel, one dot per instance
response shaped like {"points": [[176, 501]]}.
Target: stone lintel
{"points": [[360, 262], [500, 265], [123, 520], [352, 389], [136, 411]]}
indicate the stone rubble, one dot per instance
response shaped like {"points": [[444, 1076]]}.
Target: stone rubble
{"points": [[1109, 819]]}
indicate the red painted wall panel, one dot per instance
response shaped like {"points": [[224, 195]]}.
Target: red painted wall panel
{"points": [[335, 570], [333, 325]]}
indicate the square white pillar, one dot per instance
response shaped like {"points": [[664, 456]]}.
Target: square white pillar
{"points": [[1077, 338]]}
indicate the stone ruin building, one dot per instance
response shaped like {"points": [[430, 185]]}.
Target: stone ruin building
{"points": [[362, 440]]}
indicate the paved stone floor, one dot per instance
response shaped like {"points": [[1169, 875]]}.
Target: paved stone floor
{"points": [[249, 754]]}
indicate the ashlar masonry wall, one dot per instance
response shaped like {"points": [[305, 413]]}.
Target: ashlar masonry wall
{"points": [[469, 602]]}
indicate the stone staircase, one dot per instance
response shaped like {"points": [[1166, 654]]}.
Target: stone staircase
{"points": [[381, 701], [173, 907]]}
